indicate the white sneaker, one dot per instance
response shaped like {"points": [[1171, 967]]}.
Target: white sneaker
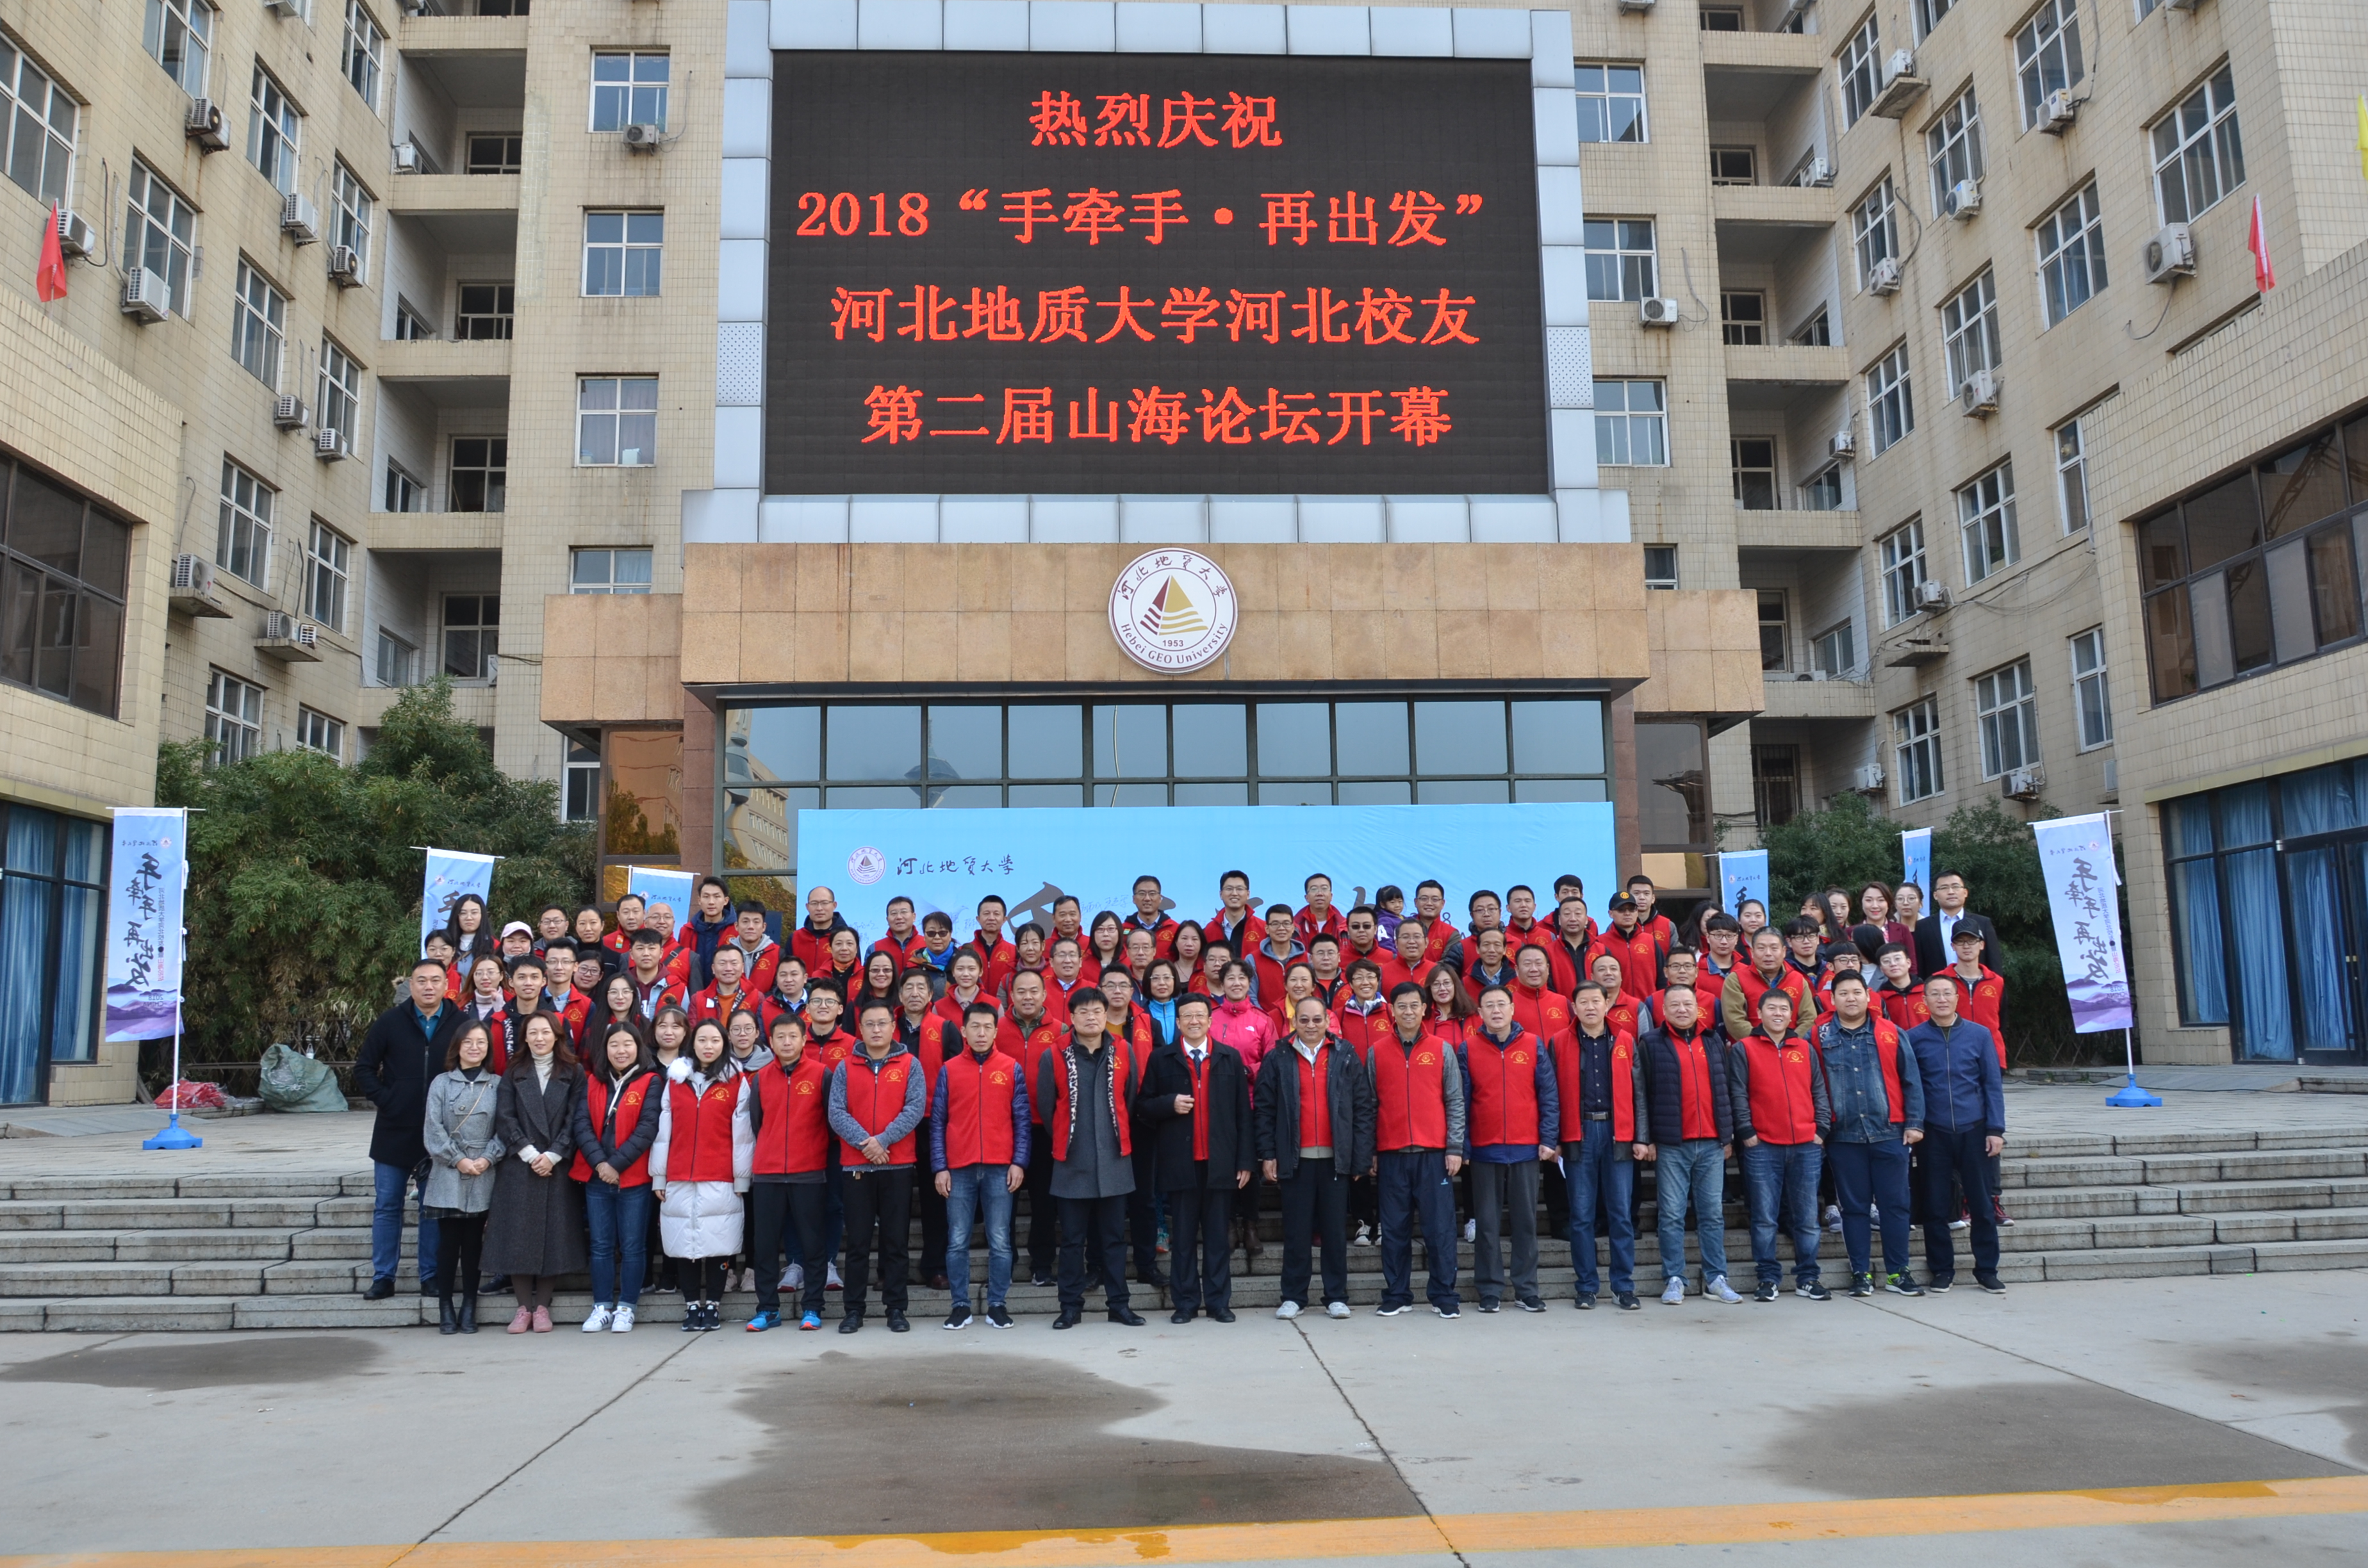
{"points": [[831, 1280], [1363, 1238], [1471, 1229], [1717, 1286], [1336, 1309], [1960, 1223], [1288, 1310], [1834, 1217], [795, 1277], [596, 1320], [1675, 1296], [622, 1319]]}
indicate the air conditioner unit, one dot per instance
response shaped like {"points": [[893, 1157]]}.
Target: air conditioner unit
{"points": [[300, 220], [1963, 199], [345, 265], [2170, 255], [2024, 784], [1901, 86], [410, 160], [1979, 396], [1883, 278], [278, 626], [1869, 780], [284, 8], [76, 236], [204, 125], [2057, 113], [192, 590], [1932, 596], [644, 137], [1635, 7], [146, 299], [1657, 313], [1817, 172], [329, 445], [1842, 443], [287, 413]]}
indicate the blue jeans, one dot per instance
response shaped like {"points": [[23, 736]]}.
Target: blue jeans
{"points": [[1594, 1171], [619, 1218], [389, 1183], [1876, 1175], [1415, 1189], [985, 1191], [1692, 1172], [1782, 1179]]}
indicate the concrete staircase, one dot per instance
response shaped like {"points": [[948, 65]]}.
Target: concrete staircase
{"points": [[114, 1253]]}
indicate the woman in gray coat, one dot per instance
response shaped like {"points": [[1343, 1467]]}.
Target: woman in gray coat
{"points": [[462, 1150], [535, 1233]]}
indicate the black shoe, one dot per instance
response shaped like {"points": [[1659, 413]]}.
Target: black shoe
{"points": [[852, 1323], [940, 1282], [1067, 1319], [1938, 1283], [427, 1290], [958, 1318], [497, 1286], [1586, 1301], [1903, 1284], [380, 1290], [1765, 1292], [1628, 1303], [1154, 1276], [898, 1323], [1221, 1314], [1040, 1278], [1531, 1304], [997, 1318], [447, 1320], [1489, 1306], [1182, 1315], [691, 1316], [468, 1314], [1813, 1292], [1862, 1285], [1126, 1315], [1989, 1282]]}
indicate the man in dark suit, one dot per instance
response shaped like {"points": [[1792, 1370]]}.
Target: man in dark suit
{"points": [[404, 1050], [1937, 931], [1195, 1106]]}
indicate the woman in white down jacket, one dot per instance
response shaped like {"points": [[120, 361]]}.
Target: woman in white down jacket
{"points": [[699, 1167]]}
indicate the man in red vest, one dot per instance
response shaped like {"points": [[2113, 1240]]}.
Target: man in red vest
{"points": [[996, 958], [978, 1146], [1780, 1120], [1738, 1004], [1087, 1086], [1418, 1127], [1513, 1122], [811, 941], [1196, 1108], [877, 1101], [1038, 1032], [789, 1179], [1876, 1098], [903, 941]]}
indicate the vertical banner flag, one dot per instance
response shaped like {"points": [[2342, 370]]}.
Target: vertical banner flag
{"points": [[1916, 860], [652, 885], [2257, 240], [451, 873], [2075, 857], [1742, 873], [147, 877]]}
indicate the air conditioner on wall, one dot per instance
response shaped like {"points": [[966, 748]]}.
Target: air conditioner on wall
{"points": [[2024, 784], [1815, 172], [2170, 255], [2057, 113], [287, 413], [1963, 199], [329, 446], [146, 300], [204, 125], [1884, 277], [1842, 443], [1901, 86], [76, 236], [1979, 396], [300, 220], [1634, 7], [1932, 596], [345, 265], [644, 137], [410, 160], [1657, 313], [1869, 780]]}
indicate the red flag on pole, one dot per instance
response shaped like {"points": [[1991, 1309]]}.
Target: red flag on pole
{"points": [[2257, 240], [50, 283]]}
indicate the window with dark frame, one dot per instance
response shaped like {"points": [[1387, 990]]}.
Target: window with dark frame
{"points": [[1753, 459], [1775, 784], [481, 466], [471, 634], [487, 312], [1734, 165], [64, 565], [1742, 317], [495, 154], [1672, 786], [1775, 632]]}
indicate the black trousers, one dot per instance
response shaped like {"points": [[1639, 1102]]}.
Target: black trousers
{"points": [[1044, 1210], [1944, 1162], [462, 1244], [878, 1197], [1315, 1207], [1143, 1214], [1201, 1246], [1101, 1223], [796, 1213], [932, 1209]]}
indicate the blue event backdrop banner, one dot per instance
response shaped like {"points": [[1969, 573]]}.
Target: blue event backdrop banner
{"points": [[949, 859]]}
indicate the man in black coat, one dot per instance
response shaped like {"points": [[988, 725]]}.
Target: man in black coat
{"points": [[1195, 1107], [404, 1050], [1936, 933], [1311, 1149]]}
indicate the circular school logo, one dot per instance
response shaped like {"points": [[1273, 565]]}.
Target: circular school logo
{"points": [[867, 865], [1173, 611]]}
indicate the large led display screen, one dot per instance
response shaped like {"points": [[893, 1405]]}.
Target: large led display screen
{"points": [[1109, 274]]}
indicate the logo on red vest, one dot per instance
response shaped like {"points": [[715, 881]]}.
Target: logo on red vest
{"points": [[998, 1077], [1425, 1059], [1173, 611], [805, 1088], [1518, 1057]]}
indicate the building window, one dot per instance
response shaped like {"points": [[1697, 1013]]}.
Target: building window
{"points": [[404, 494], [621, 253], [1672, 786], [628, 89], [1916, 750], [2198, 158], [1721, 18], [1743, 317], [274, 132], [495, 154], [1986, 519], [1874, 230], [2072, 254], [1775, 632], [1890, 402], [2146, 9], [1753, 459], [1817, 332], [1775, 785], [52, 904], [341, 394], [1660, 566], [1734, 165], [351, 224], [411, 323], [1861, 82], [487, 312], [328, 567], [582, 803], [1822, 490], [39, 133], [62, 578], [609, 572], [1900, 554], [1835, 651], [160, 230], [481, 467], [234, 718], [617, 421], [365, 51], [2091, 698], [2047, 56], [1969, 331], [1611, 103], [1619, 258], [179, 33], [2072, 476], [2006, 705], [257, 326], [318, 732], [1631, 424], [243, 547], [1953, 147], [398, 661], [1928, 15], [471, 634]]}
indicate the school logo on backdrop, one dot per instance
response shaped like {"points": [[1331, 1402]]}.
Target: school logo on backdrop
{"points": [[867, 865], [1173, 611]]}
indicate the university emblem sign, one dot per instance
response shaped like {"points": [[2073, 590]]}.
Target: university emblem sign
{"points": [[1173, 611]]}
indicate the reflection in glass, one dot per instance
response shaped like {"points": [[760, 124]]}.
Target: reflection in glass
{"points": [[1558, 737], [1459, 737], [1047, 743], [1210, 794], [760, 826], [1294, 738], [1526, 790], [1672, 790], [1372, 738], [1048, 794], [763, 745], [875, 743], [1130, 794], [645, 806], [1130, 742], [1283, 792], [969, 797], [1210, 742], [843, 796], [966, 742], [1462, 793], [1376, 792]]}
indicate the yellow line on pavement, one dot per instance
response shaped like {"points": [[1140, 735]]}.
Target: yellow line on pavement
{"points": [[1728, 1524]]}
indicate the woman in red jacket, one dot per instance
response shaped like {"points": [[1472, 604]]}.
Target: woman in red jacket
{"points": [[699, 1168], [615, 1122]]}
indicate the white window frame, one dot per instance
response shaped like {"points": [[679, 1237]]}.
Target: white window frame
{"points": [[1874, 228], [258, 326], [616, 99], [1952, 147], [1986, 523], [1926, 14], [1917, 771], [2071, 475], [32, 104], [2047, 56], [1890, 401], [1624, 425], [2071, 242], [1595, 87], [580, 761], [1969, 330], [2199, 156], [2005, 715], [1900, 563], [1834, 651], [160, 226], [338, 404], [621, 253], [395, 662], [275, 131], [317, 732], [234, 718], [596, 570], [1860, 66], [402, 487], [328, 576], [1632, 272], [190, 24], [604, 420], [242, 544], [365, 52], [351, 224], [2092, 696]]}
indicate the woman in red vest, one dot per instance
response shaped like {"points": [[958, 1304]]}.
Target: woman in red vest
{"points": [[615, 1122], [699, 1168]]}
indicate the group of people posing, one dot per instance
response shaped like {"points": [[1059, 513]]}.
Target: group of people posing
{"points": [[775, 1113]]}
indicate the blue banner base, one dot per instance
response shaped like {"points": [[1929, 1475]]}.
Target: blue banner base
{"points": [[2130, 1098], [174, 1136]]}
